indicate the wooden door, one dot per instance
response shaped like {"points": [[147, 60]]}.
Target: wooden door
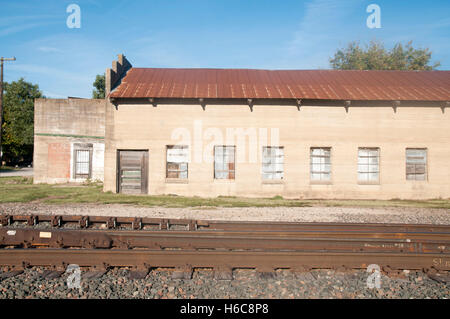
{"points": [[132, 172]]}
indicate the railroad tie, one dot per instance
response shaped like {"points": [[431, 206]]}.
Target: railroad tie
{"points": [[223, 273], [139, 272], [96, 271], [266, 272], [9, 274], [184, 272]]}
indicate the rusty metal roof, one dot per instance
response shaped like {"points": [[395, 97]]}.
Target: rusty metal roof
{"points": [[285, 84]]}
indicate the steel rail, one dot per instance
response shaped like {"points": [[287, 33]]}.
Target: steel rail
{"points": [[293, 241], [328, 227], [337, 233], [112, 222], [260, 260]]}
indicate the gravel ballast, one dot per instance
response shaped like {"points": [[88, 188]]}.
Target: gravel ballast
{"points": [[246, 284], [287, 214]]}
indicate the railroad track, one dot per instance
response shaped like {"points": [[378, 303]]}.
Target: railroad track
{"points": [[321, 241], [146, 243], [137, 223]]}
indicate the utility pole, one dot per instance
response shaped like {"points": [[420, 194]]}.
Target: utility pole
{"points": [[2, 59]]}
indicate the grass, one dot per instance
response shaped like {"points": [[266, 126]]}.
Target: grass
{"points": [[22, 190]]}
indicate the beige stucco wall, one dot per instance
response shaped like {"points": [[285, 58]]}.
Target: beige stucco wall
{"points": [[58, 124], [70, 116], [142, 126]]}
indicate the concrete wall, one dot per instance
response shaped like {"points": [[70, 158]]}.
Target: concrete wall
{"points": [[115, 74], [142, 126], [58, 124], [98, 157]]}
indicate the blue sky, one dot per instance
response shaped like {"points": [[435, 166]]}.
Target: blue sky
{"points": [[200, 33]]}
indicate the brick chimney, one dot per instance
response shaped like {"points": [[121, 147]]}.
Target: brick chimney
{"points": [[114, 75]]}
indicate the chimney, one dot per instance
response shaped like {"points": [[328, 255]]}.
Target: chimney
{"points": [[114, 76]]}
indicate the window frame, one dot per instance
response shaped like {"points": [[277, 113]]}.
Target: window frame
{"points": [[82, 147], [272, 180], [425, 165], [369, 182], [311, 156], [224, 147], [177, 179]]}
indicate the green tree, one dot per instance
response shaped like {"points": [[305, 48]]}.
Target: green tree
{"points": [[99, 85], [18, 121], [376, 57]]}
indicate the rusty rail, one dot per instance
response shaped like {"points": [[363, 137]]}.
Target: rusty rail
{"points": [[261, 260], [231, 240], [145, 223], [227, 245]]}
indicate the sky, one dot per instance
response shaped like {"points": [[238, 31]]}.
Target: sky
{"points": [[263, 34]]}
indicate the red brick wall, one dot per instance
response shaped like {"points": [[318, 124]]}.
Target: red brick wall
{"points": [[58, 160]]}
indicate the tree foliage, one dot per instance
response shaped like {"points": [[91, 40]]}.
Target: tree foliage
{"points": [[99, 85], [376, 57], [18, 121]]}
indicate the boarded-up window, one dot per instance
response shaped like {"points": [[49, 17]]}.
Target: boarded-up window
{"points": [[82, 160], [368, 164], [320, 161], [416, 164], [272, 163], [224, 161], [177, 161]]}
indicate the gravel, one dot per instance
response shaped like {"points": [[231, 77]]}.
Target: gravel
{"points": [[293, 214], [246, 284]]}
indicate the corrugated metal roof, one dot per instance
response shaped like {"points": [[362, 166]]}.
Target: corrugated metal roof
{"points": [[285, 84]]}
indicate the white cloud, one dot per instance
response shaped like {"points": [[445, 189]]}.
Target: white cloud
{"points": [[16, 20], [15, 24], [49, 72], [18, 28], [50, 50], [321, 28], [51, 95], [156, 51]]}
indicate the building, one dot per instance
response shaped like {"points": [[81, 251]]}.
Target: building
{"points": [[261, 133], [69, 140]]}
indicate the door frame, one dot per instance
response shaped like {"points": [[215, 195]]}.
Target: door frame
{"points": [[144, 168]]}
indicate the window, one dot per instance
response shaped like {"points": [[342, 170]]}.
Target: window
{"points": [[320, 164], [416, 164], [272, 163], [368, 164], [224, 160], [82, 160], [177, 161]]}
